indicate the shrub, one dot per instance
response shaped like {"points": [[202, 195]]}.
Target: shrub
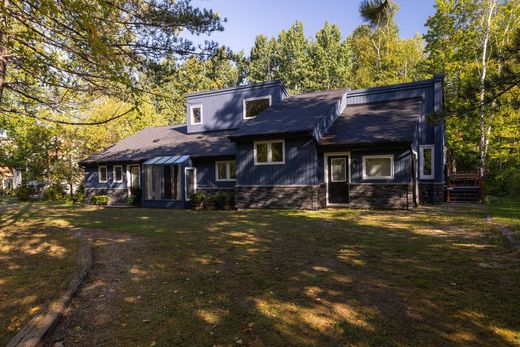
{"points": [[24, 192], [99, 200], [135, 196], [53, 192], [198, 200], [223, 199]]}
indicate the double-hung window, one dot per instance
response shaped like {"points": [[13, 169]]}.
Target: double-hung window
{"points": [[378, 167], [102, 174], [269, 152], [226, 170], [427, 161]]}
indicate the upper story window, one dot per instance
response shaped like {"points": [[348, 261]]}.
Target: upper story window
{"points": [[196, 114], [226, 170], [254, 106], [378, 167], [269, 152], [102, 174], [427, 162], [118, 173]]}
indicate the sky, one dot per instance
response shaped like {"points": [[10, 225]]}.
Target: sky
{"points": [[248, 18]]}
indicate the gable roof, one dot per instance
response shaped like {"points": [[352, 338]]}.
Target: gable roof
{"points": [[295, 114], [6, 172], [377, 122], [166, 141]]}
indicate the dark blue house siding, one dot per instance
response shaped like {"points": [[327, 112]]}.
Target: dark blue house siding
{"points": [[224, 109], [402, 165], [428, 133], [300, 168], [92, 178], [206, 175]]}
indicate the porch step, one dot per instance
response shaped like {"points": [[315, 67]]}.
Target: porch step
{"points": [[464, 194]]}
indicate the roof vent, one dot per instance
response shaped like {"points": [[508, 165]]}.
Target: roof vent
{"points": [[200, 137], [156, 140]]}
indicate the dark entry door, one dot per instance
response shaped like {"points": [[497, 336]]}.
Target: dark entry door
{"points": [[338, 179]]}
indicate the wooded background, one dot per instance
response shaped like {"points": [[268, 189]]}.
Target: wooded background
{"points": [[77, 76]]}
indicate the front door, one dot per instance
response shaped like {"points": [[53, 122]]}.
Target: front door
{"points": [[338, 179]]}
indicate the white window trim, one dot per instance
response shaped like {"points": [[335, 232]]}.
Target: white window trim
{"points": [[187, 198], [99, 174], [253, 99], [201, 114], [326, 156], [382, 156], [228, 171], [114, 173], [421, 162], [344, 179], [269, 153]]}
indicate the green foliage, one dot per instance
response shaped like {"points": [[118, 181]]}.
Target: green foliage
{"points": [[62, 56], [135, 196], [455, 47], [7, 192], [99, 200], [54, 192], [223, 199], [379, 55], [24, 192]]}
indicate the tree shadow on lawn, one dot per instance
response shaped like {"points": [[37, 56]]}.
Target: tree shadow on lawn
{"points": [[35, 267], [309, 278]]}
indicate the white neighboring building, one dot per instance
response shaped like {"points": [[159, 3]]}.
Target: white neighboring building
{"points": [[10, 178]]}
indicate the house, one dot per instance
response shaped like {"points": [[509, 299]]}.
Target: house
{"points": [[10, 178], [373, 147]]}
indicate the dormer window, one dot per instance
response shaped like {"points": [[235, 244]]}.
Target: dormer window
{"points": [[196, 114], [254, 106]]}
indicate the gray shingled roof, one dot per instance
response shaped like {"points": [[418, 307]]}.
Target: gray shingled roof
{"points": [[166, 140], [378, 122], [295, 114]]}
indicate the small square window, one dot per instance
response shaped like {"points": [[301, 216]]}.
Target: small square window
{"points": [[255, 106], [118, 173], [226, 170], [196, 114], [269, 152]]}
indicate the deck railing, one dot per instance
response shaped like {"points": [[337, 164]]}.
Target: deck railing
{"points": [[465, 186]]}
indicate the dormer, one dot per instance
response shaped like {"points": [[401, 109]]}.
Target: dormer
{"points": [[229, 108]]}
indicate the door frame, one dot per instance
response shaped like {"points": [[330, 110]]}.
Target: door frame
{"points": [[187, 168], [326, 156], [129, 177]]}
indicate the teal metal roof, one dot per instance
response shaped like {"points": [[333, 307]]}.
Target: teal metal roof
{"points": [[167, 160]]}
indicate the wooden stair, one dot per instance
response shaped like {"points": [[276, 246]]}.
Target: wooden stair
{"points": [[465, 186]]}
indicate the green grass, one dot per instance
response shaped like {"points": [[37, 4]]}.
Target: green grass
{"points": [[35, 262], [433, 276], [505, 211]]}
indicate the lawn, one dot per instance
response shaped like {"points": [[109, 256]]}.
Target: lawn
{"points": [[35, 262], [432, 276], [505, 211]]}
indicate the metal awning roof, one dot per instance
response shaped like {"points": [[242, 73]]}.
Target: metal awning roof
{"points": [[167, 160]]}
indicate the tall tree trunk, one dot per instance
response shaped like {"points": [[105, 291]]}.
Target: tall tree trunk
{"points": [[482, 93], [4, 37]]}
